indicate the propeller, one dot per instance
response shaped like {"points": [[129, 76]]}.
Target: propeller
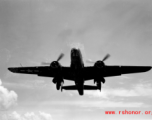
{"points": [[90, 61], [59, 58], [45, 63], [105, 58]]}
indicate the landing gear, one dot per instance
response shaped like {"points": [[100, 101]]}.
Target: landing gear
{"points": [[103, 80], [59, 85], [97, 80], [99, 85]]}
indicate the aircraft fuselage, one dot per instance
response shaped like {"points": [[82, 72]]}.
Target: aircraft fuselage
{"points": [[77, 66]]}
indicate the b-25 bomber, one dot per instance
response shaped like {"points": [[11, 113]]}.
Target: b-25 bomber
{"points": [[79, 73]]}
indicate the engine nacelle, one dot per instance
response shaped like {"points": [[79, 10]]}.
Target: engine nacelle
{"points": [[55, 80], [55, 64], [99, 72], [58, 81], [99, 64], [59, 84]]}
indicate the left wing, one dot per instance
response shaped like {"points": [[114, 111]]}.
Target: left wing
{"points": [[39, 70], [108, 71], [45, 71]]}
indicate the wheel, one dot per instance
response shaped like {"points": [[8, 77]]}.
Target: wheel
{"points": [[99, 85], [58, 85]]}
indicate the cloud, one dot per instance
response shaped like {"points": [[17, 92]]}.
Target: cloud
{"points": [[7, 98], [137, 90], [143, 89], [107, 103], [110, 97], [101, 104], [107, 93], [29, 116], [46, 116]]}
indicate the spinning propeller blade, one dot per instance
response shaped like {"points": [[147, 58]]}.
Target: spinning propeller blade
{"points": [[59, 58], [105, 58], [45, 63]]}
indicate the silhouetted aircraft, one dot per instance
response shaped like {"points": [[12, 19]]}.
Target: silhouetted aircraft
{"points": [[78, 73]]}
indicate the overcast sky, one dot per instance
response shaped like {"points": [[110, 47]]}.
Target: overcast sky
{"points": [[32, 31]]}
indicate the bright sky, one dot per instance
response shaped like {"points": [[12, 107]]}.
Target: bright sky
{"points": [[33, 31]]}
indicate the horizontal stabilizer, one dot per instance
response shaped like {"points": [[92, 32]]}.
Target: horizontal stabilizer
{"points": [[73, 87], [88, 87]]}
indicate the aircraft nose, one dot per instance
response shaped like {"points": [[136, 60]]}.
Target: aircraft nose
{"points": [[74, 52]]}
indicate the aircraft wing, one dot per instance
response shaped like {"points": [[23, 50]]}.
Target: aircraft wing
{"points": [[108, 71], [88, 72], [45, 71]]}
